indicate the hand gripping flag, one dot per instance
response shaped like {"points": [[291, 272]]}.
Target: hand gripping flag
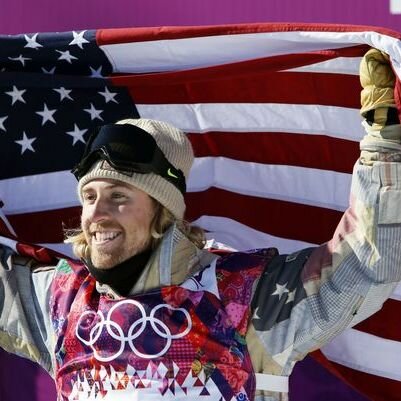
{"points": [[272, 111]]}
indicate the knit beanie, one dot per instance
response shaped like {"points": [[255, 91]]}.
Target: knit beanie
{"points": [[176, 148]]}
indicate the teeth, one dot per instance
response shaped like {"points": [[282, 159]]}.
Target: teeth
{"points": [[105, 236]]}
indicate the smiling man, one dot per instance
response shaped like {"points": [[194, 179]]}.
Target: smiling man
{"points": [[116, 221], [148, 314]]}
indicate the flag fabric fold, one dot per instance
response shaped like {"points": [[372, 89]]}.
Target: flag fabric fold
{"points": [[272, 111]]}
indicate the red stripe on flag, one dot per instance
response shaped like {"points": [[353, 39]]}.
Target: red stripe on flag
{"points": [[375, 387], [4, 229], [214, 202], [42, 255], [266, 215], [254, 87], [125, 35], [313, 151], [49, 224], [384, 322], [250, 81]]}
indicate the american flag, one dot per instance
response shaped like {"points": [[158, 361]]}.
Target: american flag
{"points": [[272, 111]]}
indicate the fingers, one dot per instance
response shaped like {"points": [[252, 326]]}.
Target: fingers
{"points": [[377, 96]]}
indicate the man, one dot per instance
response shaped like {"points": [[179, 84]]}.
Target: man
{"points": [[148, 314]]}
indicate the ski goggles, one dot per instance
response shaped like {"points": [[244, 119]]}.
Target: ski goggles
{"points": [[128, 149]]}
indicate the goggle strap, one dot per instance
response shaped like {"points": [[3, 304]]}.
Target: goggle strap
{"points": [[160, 165]]}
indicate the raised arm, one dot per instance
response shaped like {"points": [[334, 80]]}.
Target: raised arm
{"points": [[304, 300], [25, 327]]}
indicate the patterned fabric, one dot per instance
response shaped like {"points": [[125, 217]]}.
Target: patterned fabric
{"points": [[302, 301], [178, 341]]}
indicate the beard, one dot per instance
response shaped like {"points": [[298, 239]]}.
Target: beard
{"points": [[109, 259], [106, 260], [123, 247]]}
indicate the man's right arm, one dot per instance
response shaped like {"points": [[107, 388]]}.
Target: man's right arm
{"points": [[25, 325]]}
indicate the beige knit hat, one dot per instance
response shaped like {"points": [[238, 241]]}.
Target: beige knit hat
{"points": [[176, 148]]}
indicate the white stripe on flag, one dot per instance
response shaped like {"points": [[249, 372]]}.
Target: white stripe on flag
{"points": [[9, 242], [340, 65], [7, 223], [309, 186], [39, 192], [172, 54], [397, 293], [64, 249], [242, 237], [366, 353], [338, 122]]}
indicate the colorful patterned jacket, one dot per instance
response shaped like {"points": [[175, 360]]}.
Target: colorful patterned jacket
{"points": [[292, 304]]}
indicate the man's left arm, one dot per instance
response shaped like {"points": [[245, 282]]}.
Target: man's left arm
{"points": [[304, 300]]}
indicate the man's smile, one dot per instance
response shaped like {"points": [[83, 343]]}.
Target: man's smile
{"points": [[104, 237]]}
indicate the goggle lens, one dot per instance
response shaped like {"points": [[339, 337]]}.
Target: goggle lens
{"points": [[128, 148]]}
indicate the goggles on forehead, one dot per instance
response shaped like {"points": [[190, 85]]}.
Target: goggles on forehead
{"points": [[128, 149]]}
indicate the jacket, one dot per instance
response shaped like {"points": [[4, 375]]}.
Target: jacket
{"points": [[298, 303]]}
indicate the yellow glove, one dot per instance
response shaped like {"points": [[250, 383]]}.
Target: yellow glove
{"points": [[377, 79], [383, 130]]}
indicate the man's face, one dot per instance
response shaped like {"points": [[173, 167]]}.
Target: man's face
{"points": [[116, 219]]}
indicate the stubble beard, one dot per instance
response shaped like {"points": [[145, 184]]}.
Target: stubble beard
{"points": [[107, 260]]}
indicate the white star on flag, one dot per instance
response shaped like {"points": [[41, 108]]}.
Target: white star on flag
{"points": [[78, 39], [26, 143], [94, 113], [280, 290], [31, 42], [64, 93], [20, 58], [47, 115], [77, 134], [51, 71], [290, 297], [2, 119], [255, 314], [108, 96], [16, 95], [96, 73], [66, 55]]}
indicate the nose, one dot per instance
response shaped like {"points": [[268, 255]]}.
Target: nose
{"points": [[97, 211]]}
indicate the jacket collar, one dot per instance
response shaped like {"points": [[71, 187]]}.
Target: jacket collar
{"points": [[175, 259]]}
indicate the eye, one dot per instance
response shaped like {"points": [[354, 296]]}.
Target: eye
{"points": [[118, 196], [89, 197]]}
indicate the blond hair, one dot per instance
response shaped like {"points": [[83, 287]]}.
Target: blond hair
{"points": [[161, 221]]}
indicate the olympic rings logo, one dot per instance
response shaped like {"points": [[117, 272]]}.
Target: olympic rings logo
{"points": [[135, 330]]}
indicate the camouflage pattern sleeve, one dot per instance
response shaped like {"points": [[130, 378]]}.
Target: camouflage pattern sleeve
{"points": [[305, 299], [25, 326]]}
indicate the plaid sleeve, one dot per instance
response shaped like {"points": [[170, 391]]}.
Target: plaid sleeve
{"points": [[25, 327], [305, 299]]}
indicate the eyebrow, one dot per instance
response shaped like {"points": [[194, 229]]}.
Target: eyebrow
{"points": [[109, 187], [112, 186]]}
